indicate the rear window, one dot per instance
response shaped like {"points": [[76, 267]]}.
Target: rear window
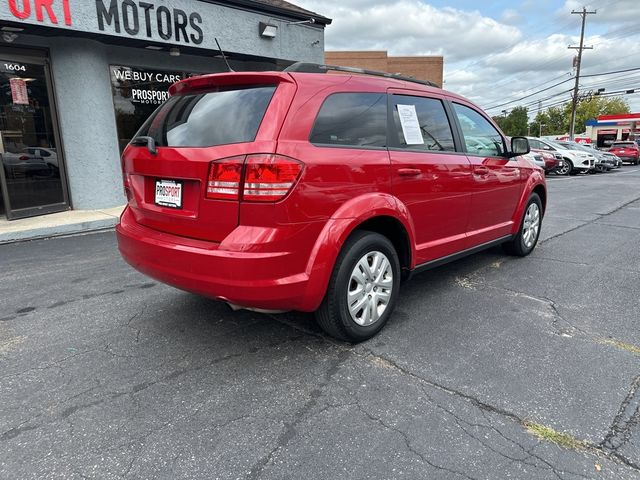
{"points": [[624, 145], [207, 119], [353, 120]]}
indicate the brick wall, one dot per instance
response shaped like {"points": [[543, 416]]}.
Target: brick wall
{"points": [[422, 68]]}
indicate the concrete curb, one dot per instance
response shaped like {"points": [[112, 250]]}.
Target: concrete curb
{"points": [[59, 224]]}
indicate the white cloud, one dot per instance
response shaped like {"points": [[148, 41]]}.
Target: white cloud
{"points": [[617, 11], [494, 61], [511, 17], [410, 27]]}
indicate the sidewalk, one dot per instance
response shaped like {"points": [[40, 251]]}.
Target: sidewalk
{"points": [[55, 224]]}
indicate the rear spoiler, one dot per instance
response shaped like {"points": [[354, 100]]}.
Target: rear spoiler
{"points": [[202, 82]]}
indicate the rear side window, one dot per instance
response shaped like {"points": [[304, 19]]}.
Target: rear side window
{"points": [[480, 137], [210, 118], [423, 126], [352, 119]]}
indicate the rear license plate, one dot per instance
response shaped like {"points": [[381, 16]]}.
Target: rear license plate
{"points": [[169, 193]]}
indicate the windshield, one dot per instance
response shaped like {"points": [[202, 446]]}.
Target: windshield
{"points": [[554, 145], [568, 146]]}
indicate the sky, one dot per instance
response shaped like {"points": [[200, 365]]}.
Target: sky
{"points": [[497, 52]]}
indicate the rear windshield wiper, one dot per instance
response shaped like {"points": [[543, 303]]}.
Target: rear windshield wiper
{"points": [[148, 142]]}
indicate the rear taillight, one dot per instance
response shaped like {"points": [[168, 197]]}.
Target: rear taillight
{"points": [[224, 179], [255, 178], [268, 178]]}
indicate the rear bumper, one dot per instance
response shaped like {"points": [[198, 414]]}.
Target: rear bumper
{"points": [[246, 278]]}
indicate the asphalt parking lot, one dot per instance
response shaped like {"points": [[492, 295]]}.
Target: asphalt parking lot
{"points": [[492, 367]]}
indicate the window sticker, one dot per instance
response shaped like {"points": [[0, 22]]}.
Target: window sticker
{"points": [[410, 124], [19, 93]]}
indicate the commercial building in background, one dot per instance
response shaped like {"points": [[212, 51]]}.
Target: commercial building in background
{"points": [[421, 68], [607, 129], [78, 78]]}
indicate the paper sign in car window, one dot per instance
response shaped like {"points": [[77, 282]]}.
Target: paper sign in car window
{"points": [[410, 125]]}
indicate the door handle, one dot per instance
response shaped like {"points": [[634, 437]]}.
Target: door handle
{"points": [[408, 172], [481, 171]]}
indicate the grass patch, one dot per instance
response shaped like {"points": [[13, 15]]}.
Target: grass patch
{"points": [[550, 435], [622, 345]]}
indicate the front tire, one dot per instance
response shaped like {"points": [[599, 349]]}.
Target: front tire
{"points": [[529, 233], [363, 288], [566, 168]]}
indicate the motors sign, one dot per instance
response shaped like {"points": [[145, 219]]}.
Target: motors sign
{"points": [[143, 18]]}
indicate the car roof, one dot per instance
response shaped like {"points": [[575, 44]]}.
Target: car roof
{"points": [[356, 80]]}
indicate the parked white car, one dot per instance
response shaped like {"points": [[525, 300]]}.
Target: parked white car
{"points": [[575, 161]]}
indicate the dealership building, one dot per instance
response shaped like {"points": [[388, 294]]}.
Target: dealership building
{"points": [[79, 77]]}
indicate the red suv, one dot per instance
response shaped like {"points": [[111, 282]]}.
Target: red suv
{"points": [[627, 151], [306, 191]]}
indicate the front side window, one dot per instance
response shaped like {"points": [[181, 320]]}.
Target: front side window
{"points": [[480, 137], [353, 120], [422, 124], [220, 117]]}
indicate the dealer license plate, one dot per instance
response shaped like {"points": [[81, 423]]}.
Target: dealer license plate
{"points": [[169, 193]]}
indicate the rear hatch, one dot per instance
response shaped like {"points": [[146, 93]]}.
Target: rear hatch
{"points": [[625, 150], [206, 128]]}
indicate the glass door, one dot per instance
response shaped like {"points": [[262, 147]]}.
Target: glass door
{"points": [[32, 176]]}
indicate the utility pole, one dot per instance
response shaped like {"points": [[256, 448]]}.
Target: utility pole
{"points": [[574, 100]]}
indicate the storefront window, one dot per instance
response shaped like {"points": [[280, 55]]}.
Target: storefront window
{"points": [[136, 95]]}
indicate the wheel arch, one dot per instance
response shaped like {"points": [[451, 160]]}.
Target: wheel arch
{"points": [[542, 193], [396, 232], [377, 212]]}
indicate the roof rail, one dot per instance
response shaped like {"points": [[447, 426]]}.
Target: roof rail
{"points": [[320, 68]]}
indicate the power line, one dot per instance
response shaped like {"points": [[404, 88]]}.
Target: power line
{"points": [[601, 74], [530, 95]]}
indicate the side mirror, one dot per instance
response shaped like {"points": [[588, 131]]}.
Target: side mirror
{"points": [[519, 146]]}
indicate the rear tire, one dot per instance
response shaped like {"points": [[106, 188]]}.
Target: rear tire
{"points": [[363, 288], [529, 233]]}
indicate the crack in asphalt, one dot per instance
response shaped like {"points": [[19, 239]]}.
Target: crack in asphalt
{"points": [[552, 305], [483, 406], [410, 447], [290, 428], [135, 389], [627, 417], [527, 452], [589, 222]]}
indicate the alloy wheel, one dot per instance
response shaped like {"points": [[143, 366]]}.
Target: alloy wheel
{"points": [[370, 288], [531, 225]]}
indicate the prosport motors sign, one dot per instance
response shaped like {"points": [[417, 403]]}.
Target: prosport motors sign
{"points": [[140, 86]]}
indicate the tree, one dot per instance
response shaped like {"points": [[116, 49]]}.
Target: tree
{"points": [[555, 120], [594, 106], [515, 123]]}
